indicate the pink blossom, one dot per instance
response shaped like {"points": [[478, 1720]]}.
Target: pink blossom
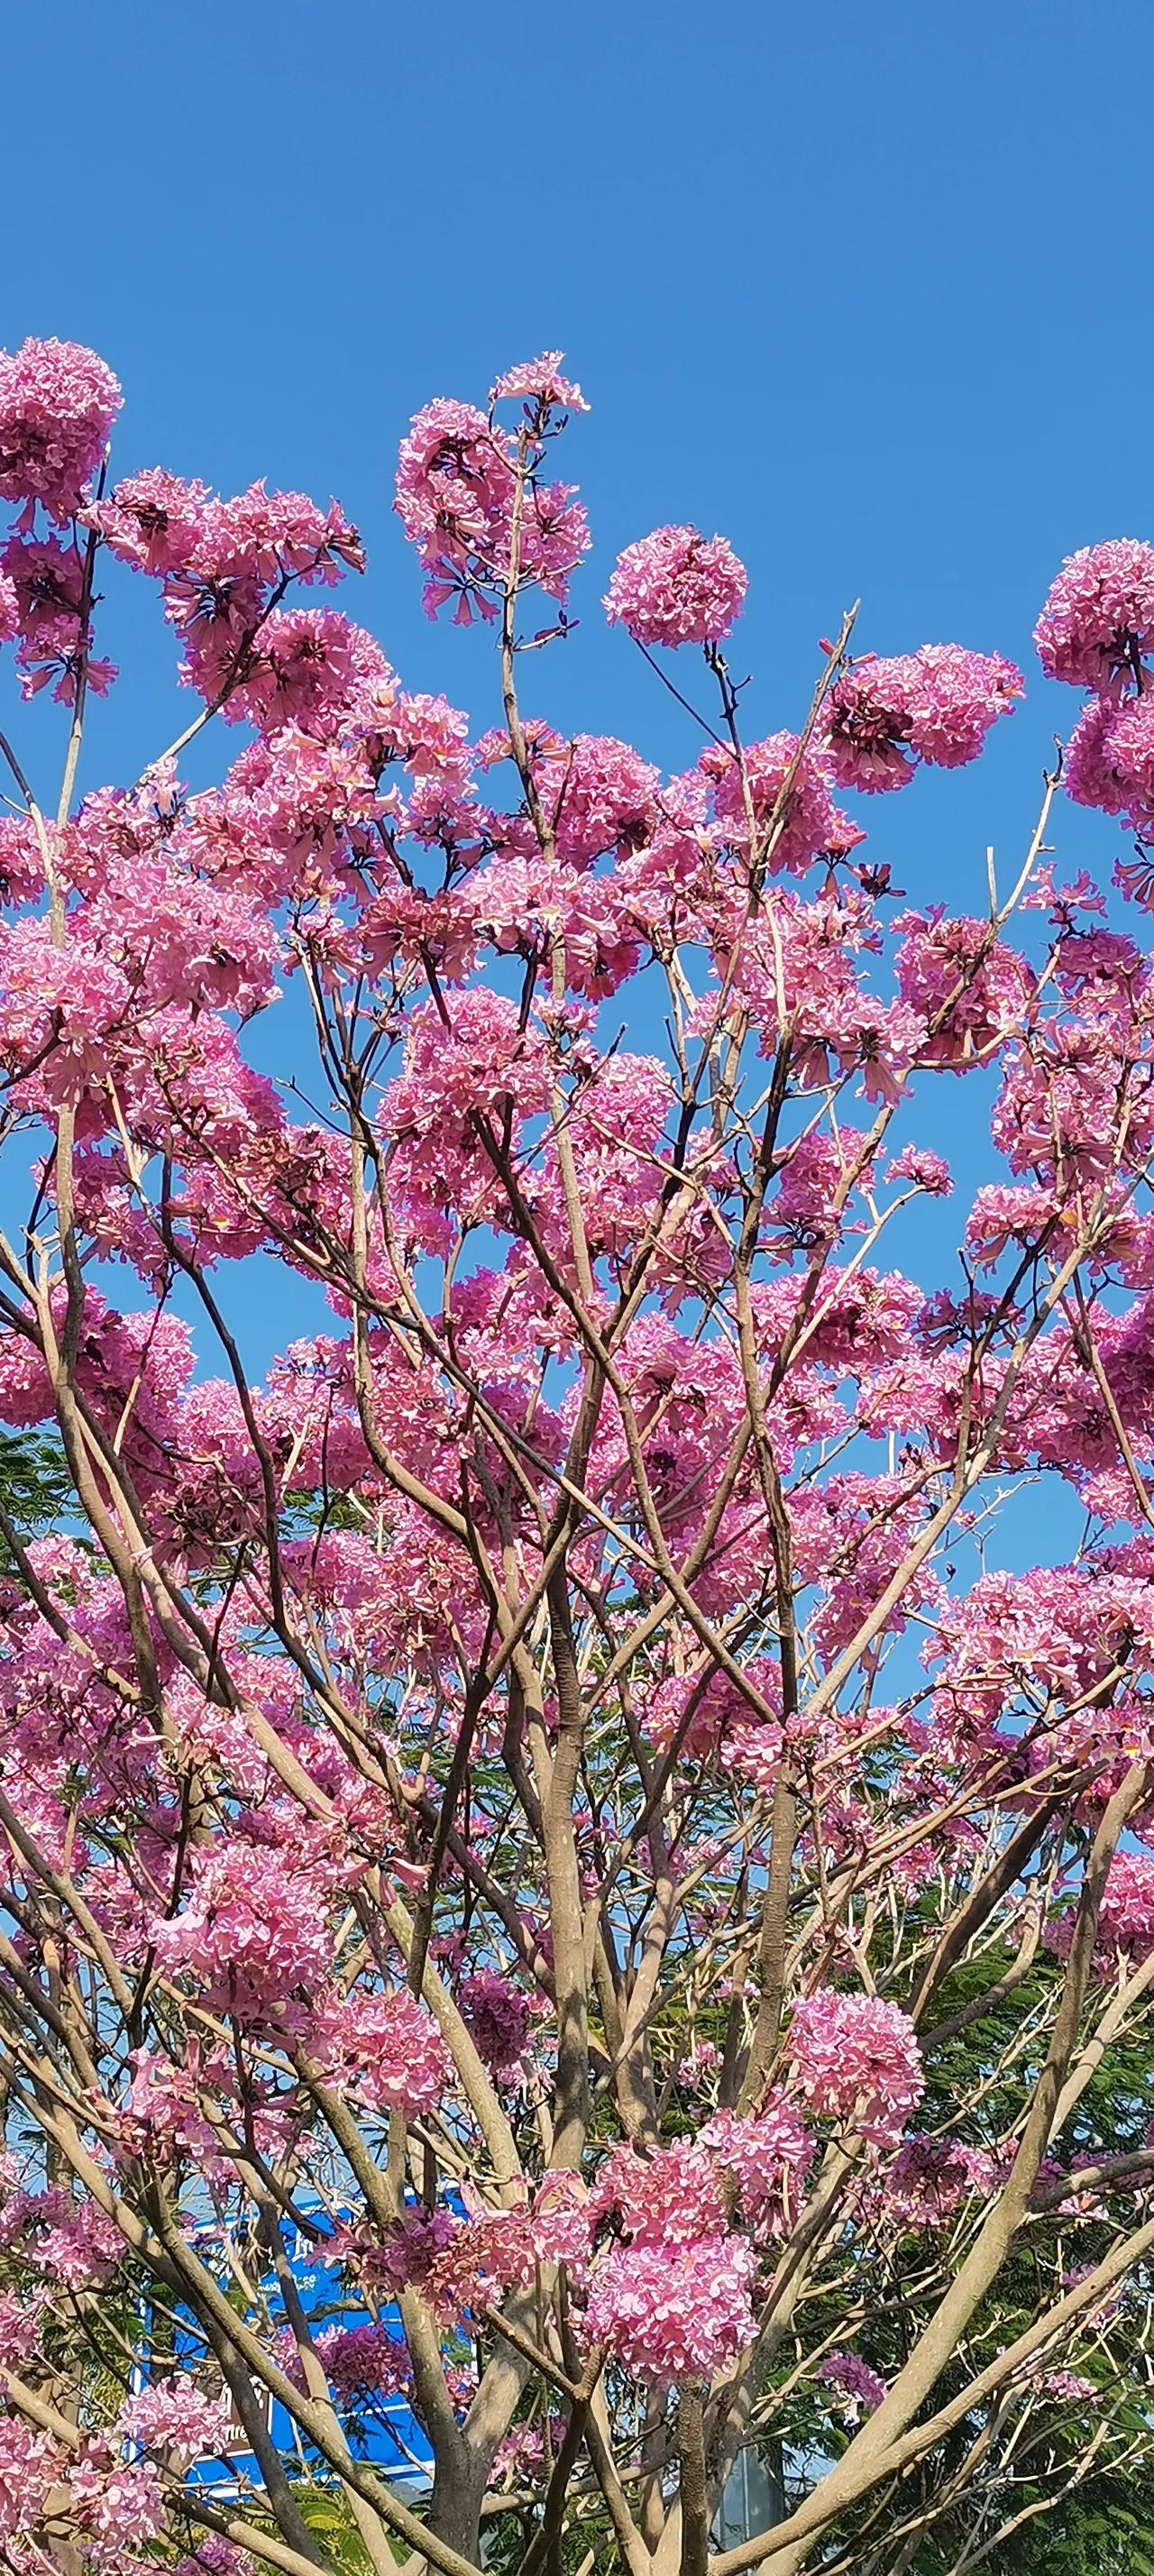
{"points": [[82, 2248], [1098, 619], [522, 2453], [931, 2177], [926, 1170], [389, 2047], [1071, 2387], [21, 2326], [497, 2016], [408, 2254], [971, 988], [669, 2199], [176, 2415], [242, 555], [58, 402], [47, 577], [672, 2319], [538, 381], [677, 587], [29, 2462], [118, 2501], [563, 2219], [858, 2060], [212, 2556], [364, 2362], [796, 821], [769, 2157], [935, 705], [456, 489], [306, 671], [1110, 759], [162, 2110], [73, 2242], [251, 1935], [1126, 1921], [854, 2382], [268, 537], [152, 520], [1126, 1914], [598, 795]]}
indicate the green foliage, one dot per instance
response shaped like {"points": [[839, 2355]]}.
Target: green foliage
{"points": [[1104, 2527], [328, 2514], [36, 1490]]}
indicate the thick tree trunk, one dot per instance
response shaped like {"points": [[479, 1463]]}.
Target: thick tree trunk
{"points": [[455, 2510]]}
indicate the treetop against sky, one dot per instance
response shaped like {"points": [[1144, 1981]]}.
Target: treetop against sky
{"points": [[542, 1789]]}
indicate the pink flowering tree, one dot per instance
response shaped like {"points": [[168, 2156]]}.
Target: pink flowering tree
{"points": [[546, 1801]]}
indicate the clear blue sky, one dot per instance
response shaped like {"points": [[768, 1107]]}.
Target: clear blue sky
{"points": [[867, 289]]}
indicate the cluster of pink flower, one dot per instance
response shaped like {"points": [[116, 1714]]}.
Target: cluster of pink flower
{"points": [[225, 565], [388, 2047], [57, 406], [677, 587], [1096, 631], [1097, 624], [1071, 2387], [936, 705], [670, 2293], [857, 2061], [364, 2362], [43, 605], [674, 2300], [110, 2504], [775, 799], [28, 2462], [213, 2556], [667, 2319], [768, 2157], [176, 2415], [930, 2178], [972, 990], [856, 2387], [1110, 760], [251, 1935], [471, 499], [1126, 1914], [523, 2451], [497, 2014], [71, 2243]]}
